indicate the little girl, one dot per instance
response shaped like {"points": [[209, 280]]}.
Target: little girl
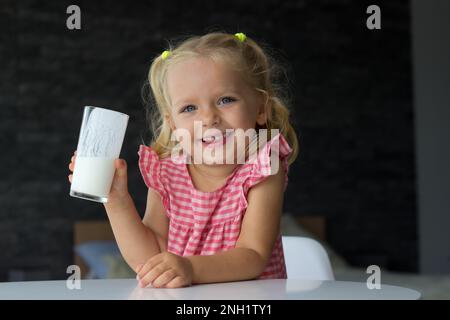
{"points": [[208, 221]]}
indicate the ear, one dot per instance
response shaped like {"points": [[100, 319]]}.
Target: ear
{"points": [[168, 119], [263, 109]]}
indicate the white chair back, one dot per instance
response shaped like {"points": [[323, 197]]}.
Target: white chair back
{"points": [[306, 259]]}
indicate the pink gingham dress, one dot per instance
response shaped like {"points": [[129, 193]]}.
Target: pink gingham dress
{"points": [[205, 223]]}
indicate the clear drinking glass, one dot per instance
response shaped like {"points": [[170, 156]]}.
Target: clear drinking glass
{"points": [[99, 144]]}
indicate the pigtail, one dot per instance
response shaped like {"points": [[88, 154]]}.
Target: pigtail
{"points": [[161, 130]]}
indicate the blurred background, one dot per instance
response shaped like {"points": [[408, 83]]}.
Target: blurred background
{"points": [[371, 109]]}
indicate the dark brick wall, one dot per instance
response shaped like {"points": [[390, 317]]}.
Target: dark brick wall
{"points": [[352, 106]]}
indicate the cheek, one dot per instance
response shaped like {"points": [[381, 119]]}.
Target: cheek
{"points": [[242, 118], [186, 137], [184, 124]]}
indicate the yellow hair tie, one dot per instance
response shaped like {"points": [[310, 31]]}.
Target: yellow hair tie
{"points": [[165, 54], [241, 36]]}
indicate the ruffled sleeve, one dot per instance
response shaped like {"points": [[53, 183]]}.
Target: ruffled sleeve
{"points": [[262, 166], [150, 167]]}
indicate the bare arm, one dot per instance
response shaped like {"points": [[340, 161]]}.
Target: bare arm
{"points": [[138, 240], [155, 219], [259, 230]]}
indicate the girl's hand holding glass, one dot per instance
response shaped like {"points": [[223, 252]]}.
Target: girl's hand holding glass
{"points": [[165, 270], [99, 143]]}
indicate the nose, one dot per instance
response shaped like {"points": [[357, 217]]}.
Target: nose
{"points": [[210, 117]]}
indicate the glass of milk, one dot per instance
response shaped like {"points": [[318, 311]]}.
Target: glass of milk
{"points": [[99, 144]]}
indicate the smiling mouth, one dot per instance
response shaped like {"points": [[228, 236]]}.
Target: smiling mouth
{"points": [[215, 140]]}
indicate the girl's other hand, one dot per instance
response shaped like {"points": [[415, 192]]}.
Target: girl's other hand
{"points": [[166, 270]]}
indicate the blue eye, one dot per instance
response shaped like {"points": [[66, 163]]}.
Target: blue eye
{"points": [[189, 108], [226, 100]]}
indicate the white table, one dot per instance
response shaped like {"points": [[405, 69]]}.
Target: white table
{"points": [[274, 289]]}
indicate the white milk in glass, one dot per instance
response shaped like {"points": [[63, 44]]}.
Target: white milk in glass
{"points": [[99, 144], [93, 176]]}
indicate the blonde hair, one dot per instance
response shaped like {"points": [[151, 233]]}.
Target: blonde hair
{"points": [[254, 65]]}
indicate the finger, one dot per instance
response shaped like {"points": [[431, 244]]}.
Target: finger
{"points": [[75, 153], [121, 166], [151, 263], [152, 275], [147, 274], [71, 166], [176, 282], [70, 178], [137, 269], [164, 278]]}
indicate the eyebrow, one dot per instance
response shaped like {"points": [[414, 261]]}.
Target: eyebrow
{"points": [[180, 102], [230, 91]]}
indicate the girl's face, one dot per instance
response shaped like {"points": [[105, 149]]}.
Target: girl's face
{"points": [[205, 94]]}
